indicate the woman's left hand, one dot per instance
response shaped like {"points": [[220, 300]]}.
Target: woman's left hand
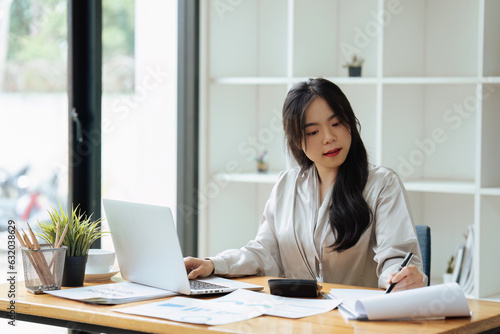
{"points": [[408, 278]]}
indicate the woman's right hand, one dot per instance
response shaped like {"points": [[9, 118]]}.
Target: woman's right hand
{"points": [[196, 267]]}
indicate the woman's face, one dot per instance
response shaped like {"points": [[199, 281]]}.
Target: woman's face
{"points": [[327, 141]]}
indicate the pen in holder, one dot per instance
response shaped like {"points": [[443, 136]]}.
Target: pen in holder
{"points": [[43, 268]]}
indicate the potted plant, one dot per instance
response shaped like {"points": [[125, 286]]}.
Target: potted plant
{"points": [[78, 231], [262, 165], [448, 275], [354, 66]]}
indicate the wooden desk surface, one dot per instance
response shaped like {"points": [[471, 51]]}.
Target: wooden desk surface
{"points": [[485, 315]]}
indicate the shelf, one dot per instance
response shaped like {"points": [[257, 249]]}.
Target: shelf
{"points": [[251, 81], [435, 186], [490, 191], [490, 80], [430, 80], [269, 178], [285, 80], [427, 103], [358, 80]]}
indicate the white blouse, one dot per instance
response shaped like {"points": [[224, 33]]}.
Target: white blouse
{"points": [[294, 234]]}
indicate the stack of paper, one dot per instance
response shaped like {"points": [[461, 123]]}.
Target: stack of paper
{"points": [[445, 300], [113, 293]]}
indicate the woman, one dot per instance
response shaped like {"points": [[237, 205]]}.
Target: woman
{"points": [[335, 217]]}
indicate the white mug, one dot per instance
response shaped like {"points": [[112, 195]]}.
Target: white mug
{"points": [[99, 261]]}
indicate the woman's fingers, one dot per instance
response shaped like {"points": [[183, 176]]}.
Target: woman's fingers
{"points": [[408, 278], [196, 267]]}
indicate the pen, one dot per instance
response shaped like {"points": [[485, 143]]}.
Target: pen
{"points": [[403, 264]]}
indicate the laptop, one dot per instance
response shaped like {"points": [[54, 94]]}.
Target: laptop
{"points": [[148, 251]]}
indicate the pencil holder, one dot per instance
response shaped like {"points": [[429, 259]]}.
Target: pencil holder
{"points": [[43, 268]]}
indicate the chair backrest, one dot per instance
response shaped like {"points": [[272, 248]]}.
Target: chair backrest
{"points": [[424, 239]]}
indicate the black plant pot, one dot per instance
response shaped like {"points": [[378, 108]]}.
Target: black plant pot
{"points": [[355, 71], [74, 270]]}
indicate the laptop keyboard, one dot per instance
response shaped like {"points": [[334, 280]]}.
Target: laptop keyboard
{"points": [[199, 285]]}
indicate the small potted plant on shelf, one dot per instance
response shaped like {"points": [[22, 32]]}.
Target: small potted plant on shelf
{"points": [[354, 66], [448, 275], [262, 165], [78, 231]]}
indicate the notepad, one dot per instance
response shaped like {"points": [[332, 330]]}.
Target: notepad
{"points": [[437, 301]]}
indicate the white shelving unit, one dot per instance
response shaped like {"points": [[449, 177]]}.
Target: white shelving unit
{"points": [[428, 103]]}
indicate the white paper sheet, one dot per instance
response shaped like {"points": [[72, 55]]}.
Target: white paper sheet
{"points": [[280, 306], [236, 306], [196, 311], [348, 298], [113, 293], [444, 300]]}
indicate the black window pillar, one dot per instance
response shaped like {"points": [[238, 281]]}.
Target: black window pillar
{"points": [[187, 125], [84, 96]]}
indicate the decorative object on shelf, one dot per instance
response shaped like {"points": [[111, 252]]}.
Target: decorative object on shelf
{"points": [[354, 66], [262, 165], [463, 271], [78, 233], [448, 275]]}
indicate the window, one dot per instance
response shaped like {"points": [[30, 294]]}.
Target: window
{"points": [[139, 121], [34, 104], [139, 111]]}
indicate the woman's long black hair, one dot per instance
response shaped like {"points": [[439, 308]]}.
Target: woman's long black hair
{"points": [[349, 214]]}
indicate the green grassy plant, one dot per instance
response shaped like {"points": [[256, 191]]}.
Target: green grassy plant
{"points": [[82, 230]]}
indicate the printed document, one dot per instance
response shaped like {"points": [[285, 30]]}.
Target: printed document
{"points": [[113, 293], [236, 306], [280, 306], [437, 301]]}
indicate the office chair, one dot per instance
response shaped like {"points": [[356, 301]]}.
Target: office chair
{"points": [[424, 239]]}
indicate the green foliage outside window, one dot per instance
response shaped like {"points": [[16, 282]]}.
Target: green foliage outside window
{"points": [[37, 47]]}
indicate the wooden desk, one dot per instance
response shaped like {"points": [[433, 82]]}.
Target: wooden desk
{"points": [[56, 311]]}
